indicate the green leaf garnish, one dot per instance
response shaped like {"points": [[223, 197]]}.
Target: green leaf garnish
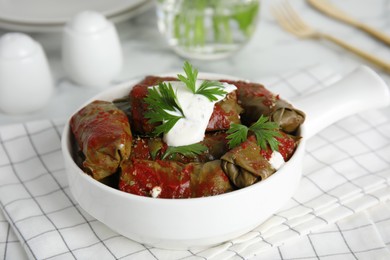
{"points": [[191, 74], [187, 150], [264, 130], [237, 134], [209, 89], [162, 101], [163, 107]]}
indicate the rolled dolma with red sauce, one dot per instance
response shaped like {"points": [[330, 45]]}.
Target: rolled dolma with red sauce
{"points": [[170, 179], [155, 80], [244, 164], [256, 100], [247, 163], [102, 132], [154, 148], [139, 123], [208, 179], [226, 111]]}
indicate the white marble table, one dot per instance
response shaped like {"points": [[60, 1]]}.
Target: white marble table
{"points": [[271, 51]]}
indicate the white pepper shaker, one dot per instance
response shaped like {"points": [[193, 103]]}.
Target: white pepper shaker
{"points": [[26, 83], [91, 51]]}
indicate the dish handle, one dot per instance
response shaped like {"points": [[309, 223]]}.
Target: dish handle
{"points": [[362, 89]]}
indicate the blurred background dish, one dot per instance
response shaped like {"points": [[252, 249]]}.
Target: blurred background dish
{"points": [[30, 16]]}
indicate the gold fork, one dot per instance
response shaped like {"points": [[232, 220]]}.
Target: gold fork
{"points": [[291, 22], [332, 11]]}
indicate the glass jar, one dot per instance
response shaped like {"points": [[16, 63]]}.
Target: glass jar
{"points": [[207, 29]]}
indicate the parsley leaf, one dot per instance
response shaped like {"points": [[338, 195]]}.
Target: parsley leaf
{"points": [[264, 130], [192, 75], [209, 89], [163, 107], [237, 134], [187, 150]]}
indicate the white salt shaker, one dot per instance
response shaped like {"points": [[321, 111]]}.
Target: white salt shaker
{"points": [[91, 51], [26, 83]]}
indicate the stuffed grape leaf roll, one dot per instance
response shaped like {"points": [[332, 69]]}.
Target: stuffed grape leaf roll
{"points": [[170, 179], [154, 148], [247, 163], [256, 100], [138, 107], [102, 132], [244, 164]]}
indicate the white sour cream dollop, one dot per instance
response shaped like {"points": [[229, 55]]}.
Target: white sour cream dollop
{"points": [[197, 110], [156, 191], [276, 160]]}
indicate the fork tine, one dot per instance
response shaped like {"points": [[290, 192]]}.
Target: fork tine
{"points": [[290, 20], [282, 18], [294, 14]]}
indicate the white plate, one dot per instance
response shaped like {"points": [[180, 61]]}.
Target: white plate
{"points": [[55, 27], [51, 12]]}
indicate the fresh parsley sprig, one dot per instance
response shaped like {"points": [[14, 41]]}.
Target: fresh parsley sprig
{"points": [[192, 75], [163, 107], [209, 89], [237, 134], [187, 150], [264, 130]]}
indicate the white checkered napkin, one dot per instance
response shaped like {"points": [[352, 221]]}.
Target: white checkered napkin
{"points": [[380, 215], [346, 170], [10, 247], [354, 237], [361, 236]]}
